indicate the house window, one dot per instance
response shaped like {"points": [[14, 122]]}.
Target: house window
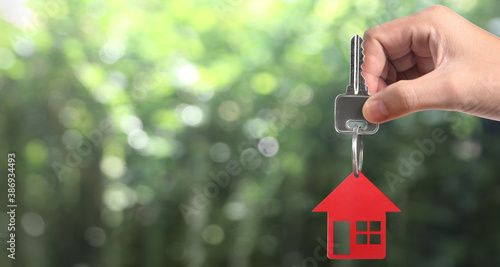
{"points": [[341, 231], [368, 232]]}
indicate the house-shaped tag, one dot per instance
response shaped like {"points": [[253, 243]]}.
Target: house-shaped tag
{"points": [[356, 219]]}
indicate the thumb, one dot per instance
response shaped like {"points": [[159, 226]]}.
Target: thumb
{"points": [[430, 91]]}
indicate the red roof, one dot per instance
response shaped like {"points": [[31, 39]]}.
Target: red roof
{"points": [[355, 196]]}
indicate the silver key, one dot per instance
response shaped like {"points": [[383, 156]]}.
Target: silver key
{"points": [[348, 106]]}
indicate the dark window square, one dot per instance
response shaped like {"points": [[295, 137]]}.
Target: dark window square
{"points": [[375, 239], [375, 226], [362, 239], [361, 226]]}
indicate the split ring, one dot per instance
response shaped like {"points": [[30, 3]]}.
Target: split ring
{"points": [[357, 145]]}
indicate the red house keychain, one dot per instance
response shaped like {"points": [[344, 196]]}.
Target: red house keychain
{"points": [[356, 208]]}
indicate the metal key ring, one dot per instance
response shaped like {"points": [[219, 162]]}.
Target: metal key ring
{"points": [[357, 144]]}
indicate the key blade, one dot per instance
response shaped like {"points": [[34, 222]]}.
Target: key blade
{"points": [[357, 84]]}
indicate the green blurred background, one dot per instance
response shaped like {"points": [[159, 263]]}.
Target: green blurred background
{"points": [[200, 133]]}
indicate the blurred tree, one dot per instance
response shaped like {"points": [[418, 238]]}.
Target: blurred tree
{"points": [[200, 133]]}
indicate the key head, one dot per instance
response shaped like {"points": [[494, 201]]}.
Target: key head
{"points": [[348, 110]]}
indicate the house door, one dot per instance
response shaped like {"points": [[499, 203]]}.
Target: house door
{"points": [[341, 238]]}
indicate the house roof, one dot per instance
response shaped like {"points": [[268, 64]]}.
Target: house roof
{"points": [[356, 196]]}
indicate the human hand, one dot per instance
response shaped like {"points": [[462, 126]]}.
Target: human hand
{"points": [[434, 59]]}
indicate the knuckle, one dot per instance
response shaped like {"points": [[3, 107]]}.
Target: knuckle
{"points": [[439, 9], [431, 15], [451, 88], [375, 31], [370, 33]]}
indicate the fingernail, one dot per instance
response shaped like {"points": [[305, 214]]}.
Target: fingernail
{"points": [[376, 110]]}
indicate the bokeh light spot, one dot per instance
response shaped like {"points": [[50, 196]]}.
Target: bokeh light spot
{"points": [[229, 111], [213, 234], [138, 139], [112, 51], [72, 139], [118, 196], [268, 146], [187, 75], [235, 211], [302, 94], [256, 128], [220, 152], [113, 167], [23, 45], [160, 147], [90, 75], [466, 150], [95, 236], [33, 224], [36, 152], [107, 92], [264, 83], [190, 115], [131, 123], [204, 91]]}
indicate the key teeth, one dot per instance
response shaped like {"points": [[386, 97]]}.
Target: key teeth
{"points": [[357, 59], [356, 38], [362, 57]]}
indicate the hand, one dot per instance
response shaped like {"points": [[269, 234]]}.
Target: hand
{"points": [[434, 59]]}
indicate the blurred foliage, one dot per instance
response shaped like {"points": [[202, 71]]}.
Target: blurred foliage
{"points": [[200, 133]]}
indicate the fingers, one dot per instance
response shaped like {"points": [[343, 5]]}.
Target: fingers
{"points": [[434, 59], [402, 44], [375, 66], [405, 62], [430, 91]]}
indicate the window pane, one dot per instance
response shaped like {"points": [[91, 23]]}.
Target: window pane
{"points": [[375, 239], [362, 239], [361, 226], [375, 226]]}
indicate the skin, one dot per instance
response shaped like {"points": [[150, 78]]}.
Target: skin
{"points": [[434, 59]]}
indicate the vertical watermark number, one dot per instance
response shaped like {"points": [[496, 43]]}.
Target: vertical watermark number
{"points": [[11, 205]]}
